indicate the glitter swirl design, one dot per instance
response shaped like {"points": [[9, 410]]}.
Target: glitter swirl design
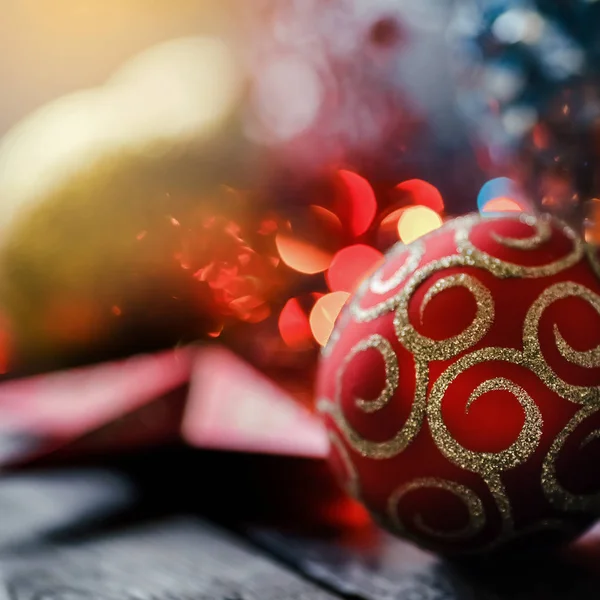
{"points": [[532, 351], [518, 369], [489, 465], [379, 343], [378, 285], [542, 233], [472, 503], [500, 268], [429, 349], [388, 448]]}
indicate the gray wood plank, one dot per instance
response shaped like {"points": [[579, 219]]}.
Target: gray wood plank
{"points": [[390, 569], [36, 505], [178, 559]]}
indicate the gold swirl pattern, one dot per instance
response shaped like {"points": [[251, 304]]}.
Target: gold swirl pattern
{"points": [[393, 446], [532, 352], [590, 437], [430, 349], [590, 359], [415, 253], [543, 232], [556, 494], [378, 342], [589, 397], [485, 463], [363, 315], [479, 258], [467, 496], [469, 256]]}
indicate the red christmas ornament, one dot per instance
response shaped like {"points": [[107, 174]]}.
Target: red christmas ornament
{"points": [[461, 386]]}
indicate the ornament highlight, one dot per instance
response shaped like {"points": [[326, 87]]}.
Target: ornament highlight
{"points": [[461, 386]]}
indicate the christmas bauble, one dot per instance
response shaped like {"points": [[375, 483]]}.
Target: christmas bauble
{"points": [[461, 386]]}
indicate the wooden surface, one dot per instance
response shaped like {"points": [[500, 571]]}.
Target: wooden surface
{"points": [[179, 558], [125, 532]]}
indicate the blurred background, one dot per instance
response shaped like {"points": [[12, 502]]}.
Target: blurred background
{"points": [[49, 51], [180, 171]]}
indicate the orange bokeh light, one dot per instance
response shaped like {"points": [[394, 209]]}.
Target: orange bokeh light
{"points": [[387, 233], [390, 222], [416, 221], [359, 201], [301, 255], [350, 265], [307, 245], [502, 205], [422, 193], [294, 326], [324, 313]]}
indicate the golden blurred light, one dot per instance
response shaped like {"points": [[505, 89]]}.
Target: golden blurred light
{"points": [[181, 89], [501, 205], [301, 255], [416, 221], [591, 234], [324, 313], [309, 242], [350, 265], [294, 326], [358, 200], [422, 193]]}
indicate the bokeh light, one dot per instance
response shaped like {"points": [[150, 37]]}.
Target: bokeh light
{"points": [[324, 313], [592, 222], [294, 326], [416, 221], [350, 265], [387, 233], [422, 193], [357, 201], [500, 188], [308, 245], [282, 111], [501, 205], [300, 255], [180, 89]]}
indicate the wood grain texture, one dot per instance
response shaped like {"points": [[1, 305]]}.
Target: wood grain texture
{"points": [[384, 568], [88, 534], [74, 534], [34, 506], [178, 559]]}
